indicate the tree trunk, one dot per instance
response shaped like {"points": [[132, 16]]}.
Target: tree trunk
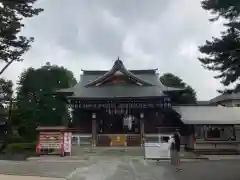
{"points": [[6, 66]]}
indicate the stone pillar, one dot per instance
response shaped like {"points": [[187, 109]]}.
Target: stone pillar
{"points": [[142, 128], [94, 132]]}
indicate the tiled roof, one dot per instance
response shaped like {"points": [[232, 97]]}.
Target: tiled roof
{"points": [[208, 114], [225, 97], [153, 87]]}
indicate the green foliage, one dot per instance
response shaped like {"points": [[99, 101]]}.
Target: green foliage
{"points": [[36, 104], [12, 12], [229, 9], [188, 96], [20, 147], [223, 54], [5, 95], [5, 89]]}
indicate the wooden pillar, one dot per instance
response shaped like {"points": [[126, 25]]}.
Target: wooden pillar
{"points": [[94, 132], [142, 128]]}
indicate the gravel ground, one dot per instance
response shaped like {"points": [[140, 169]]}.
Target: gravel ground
{"points": [[123, 168]]}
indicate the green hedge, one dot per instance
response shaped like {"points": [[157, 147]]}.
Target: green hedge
{"points": [[20, 147], [12, 139]]}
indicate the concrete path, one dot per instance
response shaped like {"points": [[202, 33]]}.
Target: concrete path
{"points": [[14, 177], [116, 168], [222, 157]]}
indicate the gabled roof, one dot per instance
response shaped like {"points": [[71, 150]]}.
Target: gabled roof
{"points": [[86, 89], [225, 97], [208, 114], [118, 67]]}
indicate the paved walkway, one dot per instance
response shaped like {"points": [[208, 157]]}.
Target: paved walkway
{"points": [[95, 168], [222, 157], [14, 177], [116, 168]]}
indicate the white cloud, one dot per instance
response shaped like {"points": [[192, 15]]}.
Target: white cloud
{"points": [[81, 34]]}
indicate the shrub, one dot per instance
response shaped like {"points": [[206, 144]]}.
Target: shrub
{"points": [[20, 147], [15, 139]]}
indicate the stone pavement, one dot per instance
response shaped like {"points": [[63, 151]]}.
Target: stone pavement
{"points": [[116, 168], [13, 177], [221, 157], [94, 168]]}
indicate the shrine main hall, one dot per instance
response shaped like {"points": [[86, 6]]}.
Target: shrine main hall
{"points": [[127, 107]]}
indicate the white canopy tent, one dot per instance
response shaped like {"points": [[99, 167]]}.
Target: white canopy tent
{"points": [[208, 114]]}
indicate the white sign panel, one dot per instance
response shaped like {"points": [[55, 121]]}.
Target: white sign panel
{"points": [[68, 142], [157, 151]]}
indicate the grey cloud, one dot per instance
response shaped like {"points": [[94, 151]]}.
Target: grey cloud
{"points": [[135, 10], [90, 34]]}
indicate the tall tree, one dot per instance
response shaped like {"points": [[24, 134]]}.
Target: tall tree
{"points": [[187, 96], [35, 100], [222, 54], [12, 45]]}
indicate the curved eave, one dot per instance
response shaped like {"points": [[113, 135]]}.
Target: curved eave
{"points": [[105, 76], [118, 66], [129, 74]]}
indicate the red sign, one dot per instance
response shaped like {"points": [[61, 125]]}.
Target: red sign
{"points": [[49, 140]]}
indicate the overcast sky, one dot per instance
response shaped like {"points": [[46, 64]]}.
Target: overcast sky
{"points": [[91, 34]]}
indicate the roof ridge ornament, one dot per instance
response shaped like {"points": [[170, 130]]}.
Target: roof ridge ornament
{"points": [[118, 64]]}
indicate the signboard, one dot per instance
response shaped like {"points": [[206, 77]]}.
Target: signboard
{"points": [[67, 142], [160, 149], [50, 140], [157, 151]]}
